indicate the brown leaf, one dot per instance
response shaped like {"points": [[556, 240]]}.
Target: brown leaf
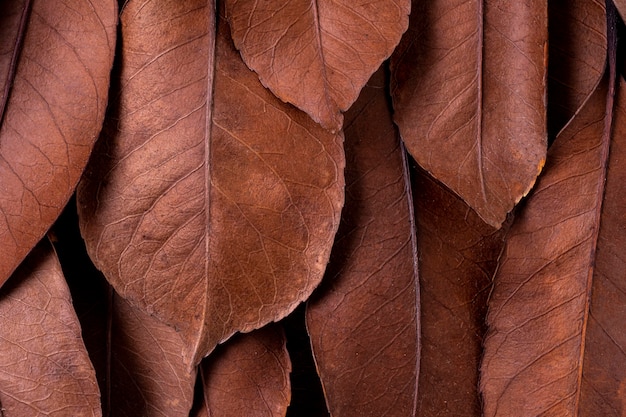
{"points": [[458, 257], [577, 57], [248, 376], [468, 86], [621, 7], [317, 54], [54, 70], [557, 311], [44, 367], [210, 204], [364, 322], [148, 373]]}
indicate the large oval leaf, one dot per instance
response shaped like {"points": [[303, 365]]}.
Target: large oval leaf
{"points": [[557, 317], [317, 54], [469, 86], [55, 60], [364, 321], [44, 366], [210, 203]]}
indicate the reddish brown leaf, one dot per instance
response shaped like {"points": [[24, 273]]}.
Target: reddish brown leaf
{"points": [[44, 367], [248, 376], [364, 323], [54, 70], [468, 88], [621, 7], [148, 374], [317, 54], [210, 204], [557, 312], [458, 257], [577, 56]]}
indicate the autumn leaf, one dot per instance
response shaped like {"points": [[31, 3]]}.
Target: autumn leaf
{"points": [[210, 204], [468, 87], [318, 54], [364, 321], [55, 59], [248, 376], [44, 366], [556, 314], [458, 257]]}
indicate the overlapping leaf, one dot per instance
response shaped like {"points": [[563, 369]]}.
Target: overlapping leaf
{"points": [[556, 315], [55, 60], [317, 54], [44, 367], [468, 86], [248, 376], [364, 323], [458, 257], [210, 203]]}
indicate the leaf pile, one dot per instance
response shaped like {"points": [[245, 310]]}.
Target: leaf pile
{"points": [[437, 184]]}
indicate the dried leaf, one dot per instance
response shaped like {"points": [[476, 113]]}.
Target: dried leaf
{"points": [[318, 54], [577, 57], [248, 376], [468, 86], [364, 322], [44, 367], [557, 312], [148, 374], [210, 204], [54, 68]]}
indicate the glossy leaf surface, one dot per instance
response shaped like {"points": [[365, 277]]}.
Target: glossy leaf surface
{"points": [[364, 321], [210, 204], [55, 60], [458, 257], [318, 54], [468, 86], [44, 366], [248, 376], [567, 345]]}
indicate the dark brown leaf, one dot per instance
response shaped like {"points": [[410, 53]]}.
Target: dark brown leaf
{"points": [[52, 100], [248, 376], [458, 257], [468, 86], [317, 54], [148, 373], [210, 204], [364, 322], [577, 57], [557, 311], [44, 367]]}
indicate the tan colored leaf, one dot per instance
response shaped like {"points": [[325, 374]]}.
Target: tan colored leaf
{"points": [[148, 373], [317, 54], [557, 336], [364, 322], [54, 70], [468, 86], [577, 56], [44, 367], [248, 376], [458, 257], [210, 204]]}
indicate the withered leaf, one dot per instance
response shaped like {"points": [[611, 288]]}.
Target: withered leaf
{"points": [[458, 257], [318, 54], [55, 59], [364, 321], [577, 56], [556, 317], [248, 376], [210, 203], [468, 87], [148, 373], [44, 366]]}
